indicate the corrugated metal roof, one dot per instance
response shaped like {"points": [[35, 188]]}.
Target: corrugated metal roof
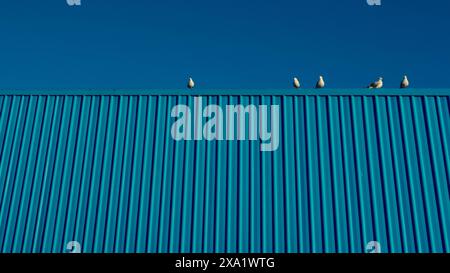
{"points": [[104, 170]]}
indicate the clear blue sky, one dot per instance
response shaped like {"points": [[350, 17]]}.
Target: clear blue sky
{"points": [[135, 44]]}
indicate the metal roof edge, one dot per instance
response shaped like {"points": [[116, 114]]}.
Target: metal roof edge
{"points": [[232, 92]]}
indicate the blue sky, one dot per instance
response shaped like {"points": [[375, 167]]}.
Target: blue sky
{"points": [[228, 44]]}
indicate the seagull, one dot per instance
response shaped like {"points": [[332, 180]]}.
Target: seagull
{"points": [[405, 82], [376, 85], [320, 83], [296, 83], [191, 83]]}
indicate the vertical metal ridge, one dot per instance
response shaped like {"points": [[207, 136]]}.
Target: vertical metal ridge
{"points": [[110, 149], [17, 169], [199, 183], [2, 98], [444, 133], [54, 201], [82, 150], [438, 170], [401, 223], [325, 175], [333, 179], [63, 211], [311, 161], [353, 230], [410, 161], [210, 180], [167, 183], [9, 145], [290, 192], [430, 212], [38, 180], [95, 176], [147, 165], [367, 137], [115, 173], [336, 174], [157, 178], [180, 174], [131, 151], [297, 171], [185, 221], [364, 223], [4, 121], [385, 217], [88, 172], [24, 207], [221, 192], [137, 175], [40, 244]]}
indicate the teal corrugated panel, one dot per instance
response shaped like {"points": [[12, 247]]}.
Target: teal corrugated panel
{"points": [[104, 170]]}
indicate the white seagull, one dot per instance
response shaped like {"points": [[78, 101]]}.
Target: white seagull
{"points": [[296, 83], [191, 83], [320, 83], [377, 85], [405, 82]]}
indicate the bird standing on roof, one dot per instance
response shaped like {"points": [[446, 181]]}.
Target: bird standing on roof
{"points": [[296, 83], [376, 85], [405, 82], [320, 83], [191, 83]]}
